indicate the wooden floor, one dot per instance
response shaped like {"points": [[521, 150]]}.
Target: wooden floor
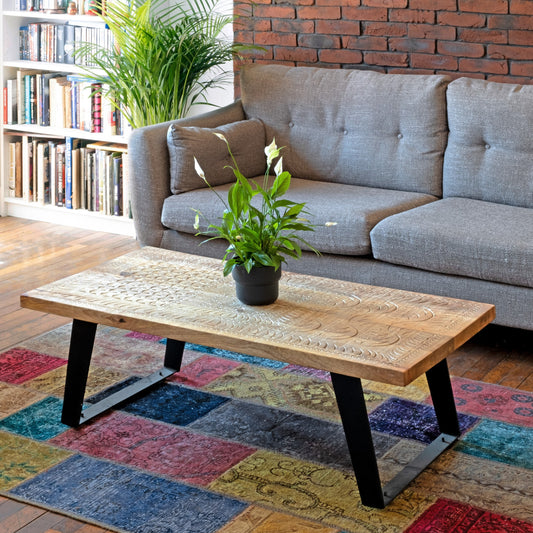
{"points": [[35, 253]]}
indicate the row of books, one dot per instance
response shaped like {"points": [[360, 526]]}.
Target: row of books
{"points": [[70, 173], [62, 43], [53, 99], [72, 7]]}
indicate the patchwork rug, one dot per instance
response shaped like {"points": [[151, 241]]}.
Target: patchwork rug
{"points": [[247, 445]]}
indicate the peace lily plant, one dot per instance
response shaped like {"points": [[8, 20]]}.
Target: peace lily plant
{"points": [[260, 236]]}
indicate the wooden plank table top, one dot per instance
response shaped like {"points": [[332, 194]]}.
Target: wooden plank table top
{"points": [[348, 328]]}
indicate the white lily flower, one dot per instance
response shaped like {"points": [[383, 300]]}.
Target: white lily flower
{"points": [[199, 170], [329, 224], [196, 224], [271, 151], [278, 169], [220, 136]]}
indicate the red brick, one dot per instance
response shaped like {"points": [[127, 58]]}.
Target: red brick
{"points": [[484, 6], [511, 79], [385, 3], [337, 27], [385, 29], [521, 7], [501, 51], [487, 66], [364, 43], [521, 37], [465, 20], [242, 10], [437, 5], [341, 3], [522, 69], [428, 31], [243, 36], [510, 22], [412, 15], [281, 12], [298, 2], [365, 13], [252, 24], [293, 26], [431, 61], [319, 41], [308, 55], [340, 56], [387, 59], [457, 74], [482, 36], [279, 39], [400, 44], [453, 48], [323, 12], [409, 71]]}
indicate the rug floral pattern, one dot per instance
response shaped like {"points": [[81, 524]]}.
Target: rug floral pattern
{"points": [[236, 444]]}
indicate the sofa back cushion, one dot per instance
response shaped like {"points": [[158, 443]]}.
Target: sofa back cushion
{"points": [[352, 126], [490, 147], [246, 139]]}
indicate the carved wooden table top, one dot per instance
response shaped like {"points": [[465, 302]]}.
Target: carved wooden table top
{"points": [[357, 330]]}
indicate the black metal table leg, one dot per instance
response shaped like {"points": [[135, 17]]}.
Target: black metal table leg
{"points": [[81, 347], [350, 400], [79, 359], [354, 416], [441, 391]]}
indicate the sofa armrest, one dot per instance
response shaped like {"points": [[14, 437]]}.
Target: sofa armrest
{"points": [[149, 169]]}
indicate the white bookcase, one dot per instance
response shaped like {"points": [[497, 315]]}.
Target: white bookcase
{"points": [[12, 20]]}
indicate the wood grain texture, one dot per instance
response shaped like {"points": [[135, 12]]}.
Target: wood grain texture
{"points": [[358, 330]]}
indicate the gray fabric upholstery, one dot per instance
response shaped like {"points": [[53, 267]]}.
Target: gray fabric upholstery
{"points": [[246, 140], [461, 236], [490, 147], [352, 126], [150, 169], [355, 209]]}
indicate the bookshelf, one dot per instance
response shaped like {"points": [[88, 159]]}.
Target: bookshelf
{"points": [[91, 217]]}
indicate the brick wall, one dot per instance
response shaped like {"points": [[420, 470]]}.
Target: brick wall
{"points": [[491, 39]]}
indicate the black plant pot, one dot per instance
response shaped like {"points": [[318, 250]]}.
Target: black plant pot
{"points": [[259, 287]]}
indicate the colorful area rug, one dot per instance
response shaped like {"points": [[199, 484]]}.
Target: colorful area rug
{"points": [[236, 444]]}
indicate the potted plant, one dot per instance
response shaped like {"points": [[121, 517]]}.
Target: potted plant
{"points": [[165, 56], [260, 233]]}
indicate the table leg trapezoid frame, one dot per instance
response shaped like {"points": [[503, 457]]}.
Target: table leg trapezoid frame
{"points": [[79, 359], [354, 416]]}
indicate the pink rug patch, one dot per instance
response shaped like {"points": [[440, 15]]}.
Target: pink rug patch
{"points": [[204, 370], [143, 336], [446, 516], [493, 401], [156, 447], [19, 365]]}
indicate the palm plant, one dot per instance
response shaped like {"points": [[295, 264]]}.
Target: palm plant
{"points": [[164, 58]]}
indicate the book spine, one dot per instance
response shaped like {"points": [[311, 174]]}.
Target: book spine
{"points": [[68, 173], [12, 170], [26, 145], [27, 99], [5, 102]]}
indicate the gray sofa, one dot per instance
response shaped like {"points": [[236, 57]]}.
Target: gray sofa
{"points": [[430, 180]]}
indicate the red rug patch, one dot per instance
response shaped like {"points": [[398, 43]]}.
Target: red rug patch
{"points": [[19, 365], [156, 447], [143, 336], [204, 370], [493, 401], [447, 516]]}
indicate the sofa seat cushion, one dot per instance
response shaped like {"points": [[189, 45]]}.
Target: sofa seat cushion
{"points": [[356, 210], [461, 236]]}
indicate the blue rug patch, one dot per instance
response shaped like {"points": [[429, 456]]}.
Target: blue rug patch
{"points": [[128, 499], [174, 404], [40, 421], [411, 420], [501, 442]]}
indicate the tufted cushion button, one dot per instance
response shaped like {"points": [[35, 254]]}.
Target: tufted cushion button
{"points": [[487, 147], [345, 132], [291, 124], [400, 136]]}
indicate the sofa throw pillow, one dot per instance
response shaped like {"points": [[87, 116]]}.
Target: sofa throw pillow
{"points": [[247, 142]]}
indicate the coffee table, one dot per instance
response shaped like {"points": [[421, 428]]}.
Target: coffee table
{"points": [[351, 330]]}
